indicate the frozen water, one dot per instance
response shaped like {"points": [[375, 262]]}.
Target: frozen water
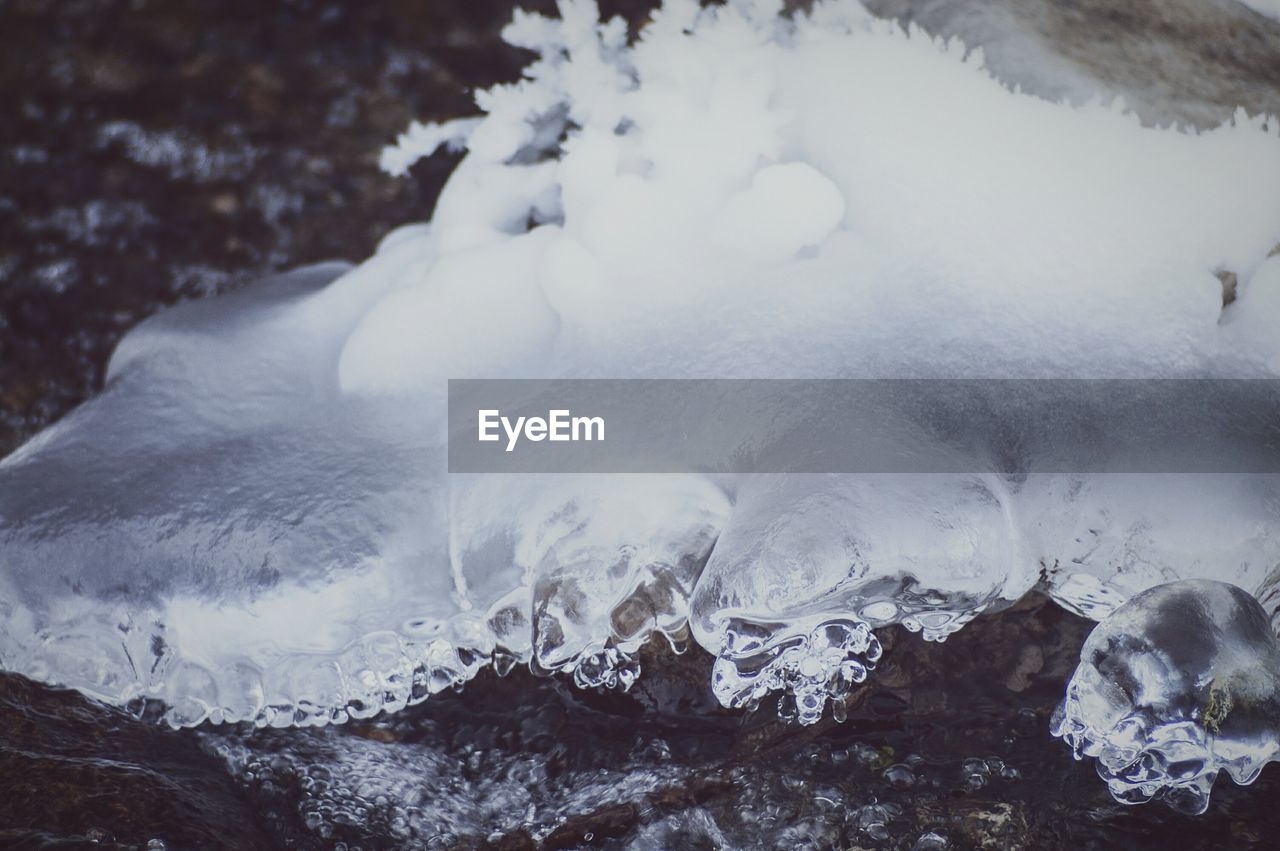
{"points": [[1101, 539], [254, 519], [808, 564], [1178, 684], [223, 530]]}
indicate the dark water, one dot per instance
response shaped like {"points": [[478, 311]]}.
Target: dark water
{"points": [[152, 152], [946, 747]]}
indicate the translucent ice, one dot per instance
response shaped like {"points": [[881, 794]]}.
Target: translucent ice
{"points": [[1270, 8], [223, 530], [601, 563], [1178, 684], [226, 531], [1101, 539], [808, 564], [254, 519]]}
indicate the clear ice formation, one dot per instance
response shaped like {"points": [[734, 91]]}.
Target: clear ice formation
{"points": [[1101, 539], [1180, 683], [254, 521], [808, 564]]}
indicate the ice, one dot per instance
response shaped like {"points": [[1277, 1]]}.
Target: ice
{"points": [[222, 530], [1101, 539], [602, 563], [254, 519], [807, 565], [1178, 684]]}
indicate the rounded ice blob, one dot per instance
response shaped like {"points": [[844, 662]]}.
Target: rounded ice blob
{"points": [[1178, 684], [223, 530], [807, 565]]}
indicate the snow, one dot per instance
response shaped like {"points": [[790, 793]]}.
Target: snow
{"points": [[1270, 8]]}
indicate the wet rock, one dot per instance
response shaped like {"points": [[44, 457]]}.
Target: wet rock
{"points": [[73, 772]]}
